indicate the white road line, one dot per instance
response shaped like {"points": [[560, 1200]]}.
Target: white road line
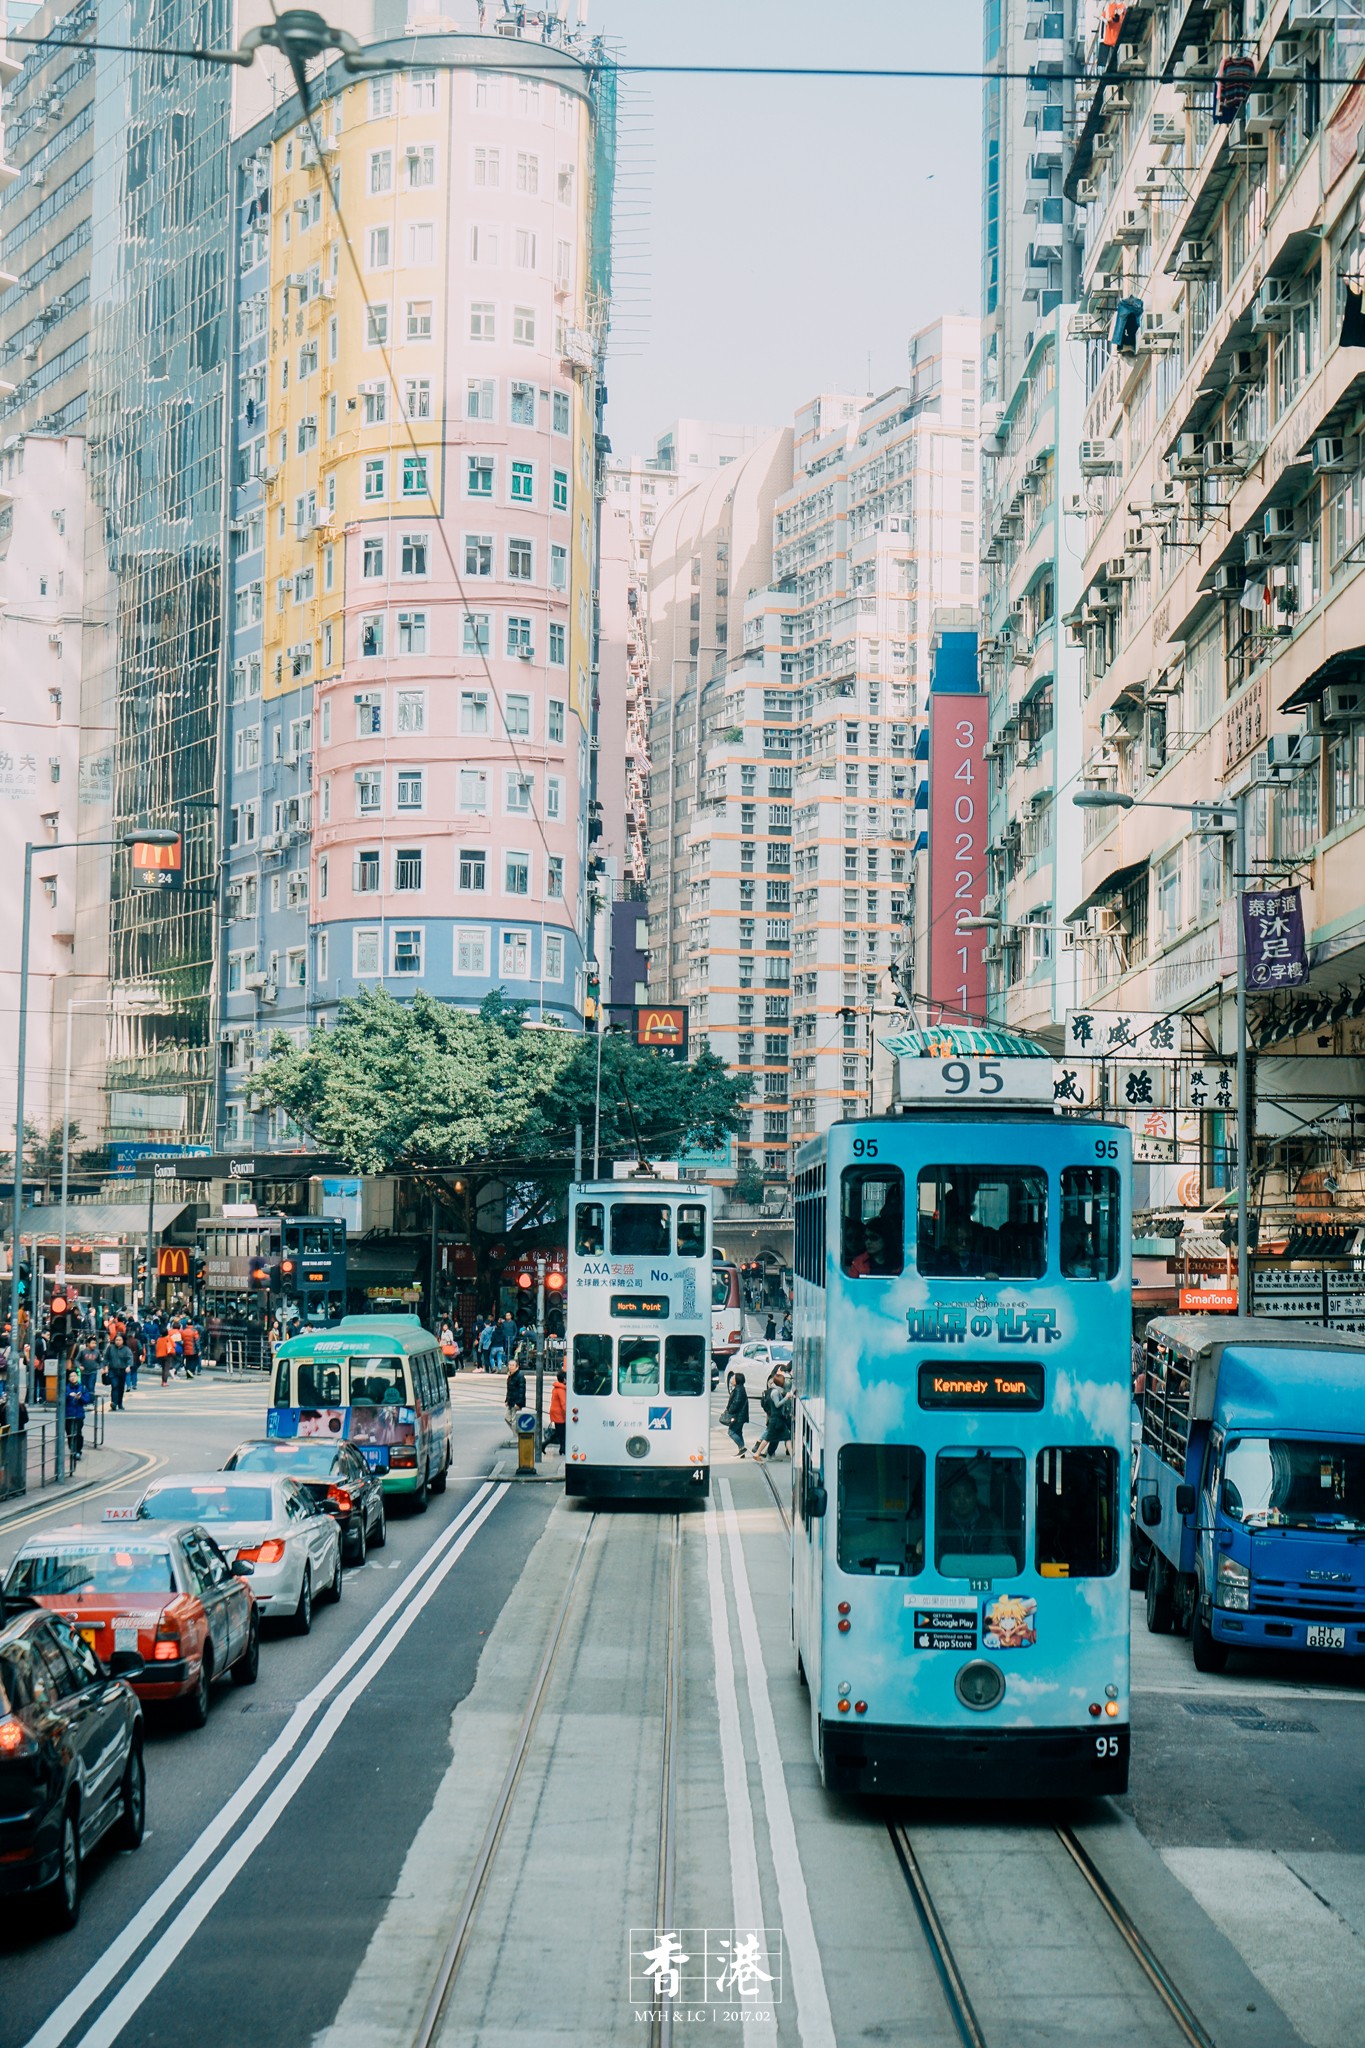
{"points": [[196, 1909], [152, 1462], [739, 1811], [814, 2020], [121, 1951]]}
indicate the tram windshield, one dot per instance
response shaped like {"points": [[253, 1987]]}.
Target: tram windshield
{"points": [[640, 1229], [984, 1222], [979, 1514], [881, 1510]]}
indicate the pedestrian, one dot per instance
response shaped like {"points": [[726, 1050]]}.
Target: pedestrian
{"points": [[118, 1364], [165, 1354], [737, 1412], [189, 1337], [777, 1406], [770, 1327], [559, 1398], [87, 1361], [516, 1394], [75, 1417], [486, 1345], [135, 1346], [787, 1328], [450, 1347]]}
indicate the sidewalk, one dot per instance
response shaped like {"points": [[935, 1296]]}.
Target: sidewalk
{"points": [[97, 1468]]}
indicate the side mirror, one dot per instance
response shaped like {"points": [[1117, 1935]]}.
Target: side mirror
{"points": [[240, 1569], [817, 1499], [1149, 1507], [1184, 1500], [126, 1664]]}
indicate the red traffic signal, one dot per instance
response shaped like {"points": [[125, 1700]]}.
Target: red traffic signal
{"points": [[523, 1279], [554, 1281]]}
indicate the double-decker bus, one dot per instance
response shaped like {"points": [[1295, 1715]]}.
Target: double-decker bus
{"points": [[251, 1267], [639, 1337], [962, 1443], [727, 1316]]}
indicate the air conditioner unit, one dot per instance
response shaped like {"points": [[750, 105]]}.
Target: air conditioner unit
{"points": [[1292, 750], [1329, 453], [1263, 113], [1107, 285], [1227, 458], [1130, 226], [1257, 551], [1113, 725], [1132, 57], [39, 178], [1022, 750], [1188, 455], [239, 525], [1282, 524], [1099, 457], [254, 981], [1195, 259], [1165, 499], [1135, 541], [1286, 64], [270, 993], [1087, 191], [1273, 304], [1227, 580], [1105, 920], [1192, 67], [1151, 182], [269, 473], [1166, 129], [1343, 703], [1116, 570], [1243, 367], [525, 654], [31, 352]]}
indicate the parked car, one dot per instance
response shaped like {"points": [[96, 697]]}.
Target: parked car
{"points": [[71, 1767], [335, 1474], [292, 1546], [755, 1360], [167, 1602]]}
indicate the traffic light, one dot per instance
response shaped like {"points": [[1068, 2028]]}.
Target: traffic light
{"points": [[198, 1267], [288, 1270], [25, 1278], [593, 999]]}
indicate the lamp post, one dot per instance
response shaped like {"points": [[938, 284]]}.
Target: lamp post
{"points": [[147, 838], [1228, 818]]}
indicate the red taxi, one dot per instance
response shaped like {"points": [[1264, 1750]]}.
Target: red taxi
{"points": [[162, 1607]]}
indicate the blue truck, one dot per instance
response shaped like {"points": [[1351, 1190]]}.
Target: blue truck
{"points": [[1249, 1488]]}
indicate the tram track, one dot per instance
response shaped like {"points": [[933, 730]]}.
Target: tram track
{"points": [[457, 1949], [951, 1979]]}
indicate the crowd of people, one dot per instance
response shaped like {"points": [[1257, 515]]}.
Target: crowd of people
{"points": [[88, 1350], [777, 1402]]}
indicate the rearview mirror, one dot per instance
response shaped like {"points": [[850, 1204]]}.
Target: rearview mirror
{"points": [[1149, 1507], [817, 1499], [240, 1569], [1184, 1500]]}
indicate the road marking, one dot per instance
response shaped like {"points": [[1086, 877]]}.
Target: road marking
{"points": [[814, 2020], [151, 1461], [196, 1910], [739, 1811], [101, 1975]]}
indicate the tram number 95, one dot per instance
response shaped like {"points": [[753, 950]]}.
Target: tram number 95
{"points": [[1106, 1745], [968, 1077]]}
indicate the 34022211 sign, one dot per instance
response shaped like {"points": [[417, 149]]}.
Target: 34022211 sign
{"points": [[957, 849]]}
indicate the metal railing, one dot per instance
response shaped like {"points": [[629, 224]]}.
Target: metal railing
{"points": [[28, 1457]]}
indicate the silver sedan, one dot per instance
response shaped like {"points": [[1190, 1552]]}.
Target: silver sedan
{"points": [[271, 1525]]}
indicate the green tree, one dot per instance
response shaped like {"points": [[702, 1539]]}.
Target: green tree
{"points": [[487, 1097]]}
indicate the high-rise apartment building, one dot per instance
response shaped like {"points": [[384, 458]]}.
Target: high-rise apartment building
{"points": [[413, 519], [1032, 516]]}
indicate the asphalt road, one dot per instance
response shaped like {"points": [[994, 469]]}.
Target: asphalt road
{"points": [[265, 1931]]}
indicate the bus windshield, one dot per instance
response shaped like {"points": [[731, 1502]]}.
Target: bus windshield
{"points": [[1295, 1483], [724, 1287], [378, 1382]]}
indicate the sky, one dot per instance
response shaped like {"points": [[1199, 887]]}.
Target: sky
{"points": [[780, 237]]}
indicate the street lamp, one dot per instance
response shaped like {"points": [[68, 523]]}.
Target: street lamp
{"points": [[1229, 818], [146, 837]]}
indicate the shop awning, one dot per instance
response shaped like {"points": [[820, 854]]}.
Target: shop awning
{"points": [[380, 1261], [1117, 878], [1347, 665], [98, 1222]]}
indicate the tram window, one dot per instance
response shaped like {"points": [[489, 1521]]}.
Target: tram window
{"points": [[637, 1365], [979, 1514], [319, 1385], [640, 1228], [1076, 1534], [589, 1222], [988, 1222], [592, 1364], [881, 1510], [1092, 1211], [691, 1230], [872, 1211], [684, 1365]]}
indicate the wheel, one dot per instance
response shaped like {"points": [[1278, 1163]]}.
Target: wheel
{"points": [[63, 1900], [419, 1499], [438, 1484], [197, 1702], [379, 1535], [1160, 1597], [360, 1543], [249, 1663], [334, 1590], [302, 1619], [133, 1820], [1209, 1653]]}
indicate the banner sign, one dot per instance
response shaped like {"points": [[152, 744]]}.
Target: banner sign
{"points": [[1272, 928], [1124, 1034], [957, 850]]}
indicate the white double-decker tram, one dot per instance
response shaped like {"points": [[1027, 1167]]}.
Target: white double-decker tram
{"points": [[639, 1331]]}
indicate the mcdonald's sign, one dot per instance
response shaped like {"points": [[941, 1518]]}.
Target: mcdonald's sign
{"points": [[158, 863], [663, 1027], [172, 1262]]}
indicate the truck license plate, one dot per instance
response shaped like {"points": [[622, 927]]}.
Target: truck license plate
{"points": [[1326, 1639]]}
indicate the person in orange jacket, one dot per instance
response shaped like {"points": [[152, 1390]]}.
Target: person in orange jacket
{"points": [[165, 1355], [559, 1395]]}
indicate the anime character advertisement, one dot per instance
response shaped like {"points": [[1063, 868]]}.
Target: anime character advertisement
{"points": [[1009, 1623]]}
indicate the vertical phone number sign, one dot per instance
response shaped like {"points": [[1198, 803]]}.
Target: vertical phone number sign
{"points": [[957, 850]]}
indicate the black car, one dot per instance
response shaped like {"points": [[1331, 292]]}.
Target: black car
{"points": [[336, 1475], [70, 1760]]}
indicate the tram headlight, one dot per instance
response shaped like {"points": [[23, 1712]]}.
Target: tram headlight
{"points": [[1232, 1587], [980, 1685]]}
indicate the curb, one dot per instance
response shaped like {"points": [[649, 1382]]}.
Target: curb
{"points": [[54, 1496]]}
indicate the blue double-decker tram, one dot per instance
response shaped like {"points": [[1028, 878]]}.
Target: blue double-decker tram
{"points": [[962, 1351]]}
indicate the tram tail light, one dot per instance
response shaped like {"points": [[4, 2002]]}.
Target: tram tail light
{"points": [[1094, 1708], [860, 1706], [843, 1706], [1111, 1707]]}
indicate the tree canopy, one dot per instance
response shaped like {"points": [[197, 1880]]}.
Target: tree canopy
{"points": [[429, 1088]]}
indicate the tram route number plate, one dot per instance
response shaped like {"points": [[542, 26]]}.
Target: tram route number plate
{"points": [[950, 1625]]}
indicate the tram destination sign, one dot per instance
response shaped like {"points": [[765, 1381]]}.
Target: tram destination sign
{"points": [[653, 1307], [980, 1386]]}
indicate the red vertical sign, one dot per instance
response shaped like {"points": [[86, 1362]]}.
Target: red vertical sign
{"points": [[957, 851]]}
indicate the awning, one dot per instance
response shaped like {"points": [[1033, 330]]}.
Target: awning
{"points": [[98, 1222], [381, 1261], [1347, 665], [1117, 878]]}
